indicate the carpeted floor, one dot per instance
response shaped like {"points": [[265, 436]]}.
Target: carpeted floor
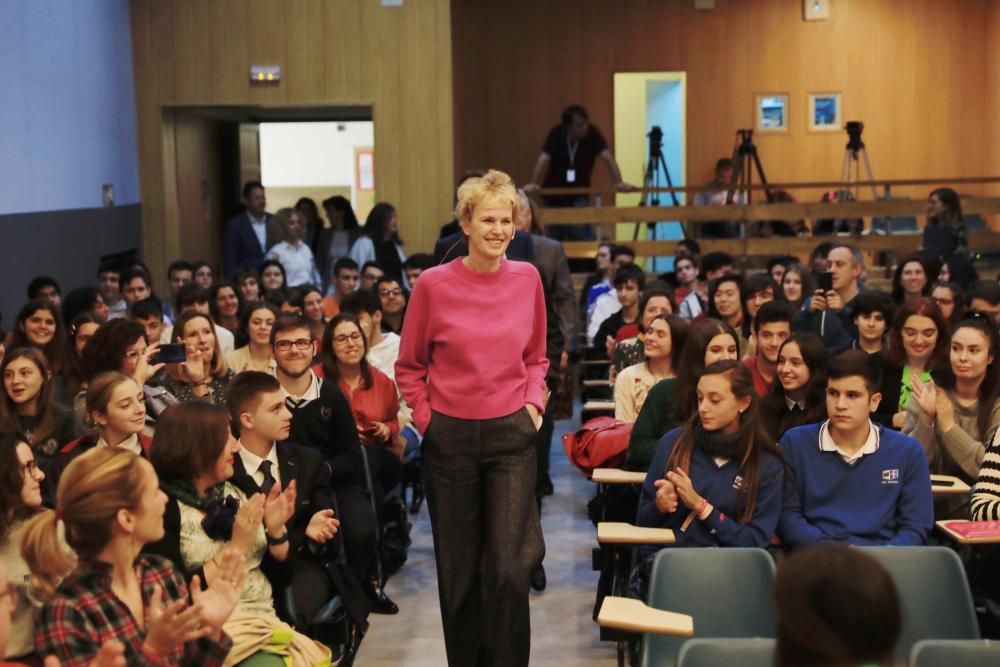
{"points": [[562, 632]]}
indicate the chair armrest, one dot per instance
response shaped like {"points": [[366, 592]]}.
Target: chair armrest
{"points": [[612, 532], [633, 616], [616, 476]]}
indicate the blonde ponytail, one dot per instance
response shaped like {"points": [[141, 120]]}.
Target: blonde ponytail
{"points": [[44, 551]]}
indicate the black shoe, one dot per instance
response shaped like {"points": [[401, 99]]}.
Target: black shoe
{"points": [[538, 580], [381, 604], [352, 646]]}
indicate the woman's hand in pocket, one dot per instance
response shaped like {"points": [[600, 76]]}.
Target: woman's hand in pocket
{"points": [[536, 417]]}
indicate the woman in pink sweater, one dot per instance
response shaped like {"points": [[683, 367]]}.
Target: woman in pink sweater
{"points": [[472, 367]]}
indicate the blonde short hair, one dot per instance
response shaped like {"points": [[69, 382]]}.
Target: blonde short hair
{"points": [[494, 185]]}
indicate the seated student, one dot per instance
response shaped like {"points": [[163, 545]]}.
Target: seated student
{"points": [[225, 306], [371, 271], [600, 278], [116, 414], [851, 480], [82, 300], [984, 296], [308, 300], [724, 304], [873, 311], [372, 396], [247, 281], [272, 277], [756, 290], [193, 297], [950, 298], [266, 458], [835, 606], [256, 355], [344, 283], [796, 284], [714, 265], [20, 499], [717, 481], [179, 273], [605, 302], [109, 505], [203, 374], [955, 420], [917, 349], [629, 350], [799, 395], [149, 313], [322, 419], [393, 298], [629, 282], [686, 274], [39, 325], [830, 313], [772, 324], [416, 264], [120, 346], [28, 405], [136, 286], [79, 332], [45, 287], [986, 492], [670, 402], [912, 279], [208, 512], [663, 344], [383, 346]]}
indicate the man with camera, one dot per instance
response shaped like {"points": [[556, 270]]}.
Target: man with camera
{"points": [[829, 311]]}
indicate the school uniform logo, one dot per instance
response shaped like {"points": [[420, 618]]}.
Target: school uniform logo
{"points": [[739, 484], [890, 476]]}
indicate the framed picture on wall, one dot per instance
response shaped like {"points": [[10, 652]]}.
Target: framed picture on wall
{"points": [[825, 112], [771, 112]]}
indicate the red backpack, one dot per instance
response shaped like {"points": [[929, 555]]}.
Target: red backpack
{"points": [[600, 443]]}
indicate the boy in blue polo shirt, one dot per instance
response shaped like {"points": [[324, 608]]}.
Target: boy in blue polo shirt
{"points": [[851, 480]]}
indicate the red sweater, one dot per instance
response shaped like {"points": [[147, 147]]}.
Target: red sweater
{"points": [[473, 344], [377, 404]]}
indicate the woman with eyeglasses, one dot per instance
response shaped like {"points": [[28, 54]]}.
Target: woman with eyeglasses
{"points": [[20, 499], [373, 398]]}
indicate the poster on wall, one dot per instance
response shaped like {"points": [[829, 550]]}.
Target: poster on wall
{"points": [[771, 112], [825, 112]]}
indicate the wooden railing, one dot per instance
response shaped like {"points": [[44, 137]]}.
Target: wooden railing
{"points": [[692, 216]]}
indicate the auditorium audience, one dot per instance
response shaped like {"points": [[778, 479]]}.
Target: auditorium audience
{"points": [[835, 607], [108, 273], [272, 276], [308, 300], [771, 326], [724, 304], [312, 223], [371, 271], [108, 507], [944, 234], [383, 346], [912, 279], [799, 395], [379, 241], [986, 492], [755, 291], [416, 264], [203, 274], [203, 375], [83, 300], [207, 514], [669, 403], [830, 313], [245, 236], [29, 407], [917, 349], [335, 241], [602, 300], [950, 298], [45, 287], [629, 282], [256, 355], [195, 298], [40, 326], [179, 273], [663, 343], [149, 314], [686, 273], [344, 282], [136, 286], [716, 481], [985, 297], [955, 419], [225, 306], [79, 332], [247, 282], [873, 311], [600, 278], [958, 269], [714, 265], [628, 349], [293, 250], [852, 480], [20, 499]]}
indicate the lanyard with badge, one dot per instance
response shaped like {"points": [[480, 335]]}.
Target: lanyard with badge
{"points": [[571, 148]]}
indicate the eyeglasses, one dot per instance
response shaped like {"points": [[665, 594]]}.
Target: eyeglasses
{"points": [[391, 292], [30, 468], [302, 344], [343, 338]]}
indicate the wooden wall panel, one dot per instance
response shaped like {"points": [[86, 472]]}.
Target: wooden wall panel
{"points": [[332, 52], [992, 88], [914, 72]]}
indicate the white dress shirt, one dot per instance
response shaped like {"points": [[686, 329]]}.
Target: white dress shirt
{"points": [[251, 463]]}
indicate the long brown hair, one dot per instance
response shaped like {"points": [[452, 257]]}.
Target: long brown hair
{"points": [[92, 490], [218, 363], [895, 354], [751, 432], [692, 362], [45, 401], [54, 349], [12, 507], [329, 357], [189, 439]]}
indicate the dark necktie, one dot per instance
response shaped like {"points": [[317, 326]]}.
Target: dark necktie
{"points": [[265, 467], [293, 404]]}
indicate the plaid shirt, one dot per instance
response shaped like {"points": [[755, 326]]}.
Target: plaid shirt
{"points": [[84, 613]]}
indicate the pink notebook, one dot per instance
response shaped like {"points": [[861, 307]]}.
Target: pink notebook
{"points": [[974, 528]]}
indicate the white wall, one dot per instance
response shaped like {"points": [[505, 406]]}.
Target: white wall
{"points": [[67, 119], [309, 154]]}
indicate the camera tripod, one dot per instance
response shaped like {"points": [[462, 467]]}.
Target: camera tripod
{"points": [[855, 152], [654, 166], [745, 159]]}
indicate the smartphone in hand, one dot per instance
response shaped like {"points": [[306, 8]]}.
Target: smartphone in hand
{"points": [[170, 353]]}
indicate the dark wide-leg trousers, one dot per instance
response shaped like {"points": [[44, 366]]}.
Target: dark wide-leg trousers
{"points": [[479, 479]]}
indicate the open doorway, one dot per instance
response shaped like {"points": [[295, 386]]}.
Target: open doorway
{"points": [[644, 100], [209, 152]]}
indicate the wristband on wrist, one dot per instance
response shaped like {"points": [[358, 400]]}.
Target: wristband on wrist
{"points": [[275, 541], [701, 512]]}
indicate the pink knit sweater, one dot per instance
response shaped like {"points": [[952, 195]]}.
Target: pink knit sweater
{"points": [[473, 344]]}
